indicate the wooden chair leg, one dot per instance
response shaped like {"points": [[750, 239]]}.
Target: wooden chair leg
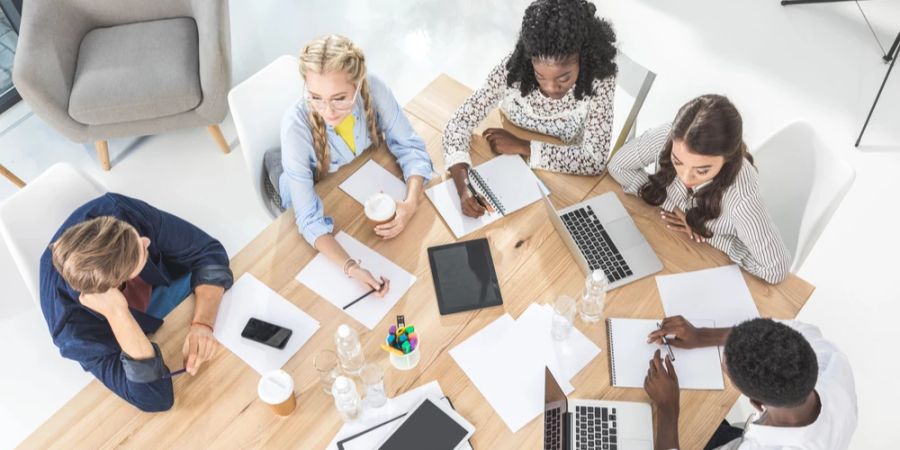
{"points": [[219, 138], [103, 153], [11, 176]]}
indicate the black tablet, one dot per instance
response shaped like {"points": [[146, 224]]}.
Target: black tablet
{"points": [[464, 276]]}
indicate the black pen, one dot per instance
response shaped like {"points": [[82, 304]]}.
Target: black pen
{"points": [[172, 374], [362, 297], [477, 197], [666, 343]]}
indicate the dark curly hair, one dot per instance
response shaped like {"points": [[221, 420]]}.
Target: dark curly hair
{"points": [[710, 125], [560, 28], [771, 362]]}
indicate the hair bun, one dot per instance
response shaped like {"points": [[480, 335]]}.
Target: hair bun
{"points": [[591, 8]]}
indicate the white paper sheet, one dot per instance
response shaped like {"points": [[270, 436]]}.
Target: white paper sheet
{"points": [[327, 280], [248, 298], [719, 294], [371, 179], [512, 182], [698, 368], [371, 417], [506, 359]]}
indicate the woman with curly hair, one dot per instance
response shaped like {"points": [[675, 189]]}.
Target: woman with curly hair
{"points": [[346, 110], [559, 81], [706, 185]]}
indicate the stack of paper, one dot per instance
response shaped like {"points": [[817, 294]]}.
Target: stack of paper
{"points": [[718, 294], [506, 359], [327, 280], [248, 298], [372, 420]]}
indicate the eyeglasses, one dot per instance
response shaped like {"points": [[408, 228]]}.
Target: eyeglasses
{"points": [[320, 104]]}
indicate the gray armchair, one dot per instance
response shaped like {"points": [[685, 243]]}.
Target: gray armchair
{"points": [[99, 69]]}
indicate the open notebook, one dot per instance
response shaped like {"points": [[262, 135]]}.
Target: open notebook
{"points": [[630, 354], [505, 181]]}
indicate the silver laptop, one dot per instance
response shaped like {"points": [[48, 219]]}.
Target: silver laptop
{"points": [[593, 424], [601, 235]]}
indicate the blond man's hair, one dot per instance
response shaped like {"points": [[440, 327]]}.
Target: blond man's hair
{"points": [[97, 255], [335, 53]]}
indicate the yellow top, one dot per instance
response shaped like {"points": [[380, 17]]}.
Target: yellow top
{"points": [[345, 131]]}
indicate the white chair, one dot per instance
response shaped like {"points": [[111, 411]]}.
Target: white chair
{"points": [[802, 182], [30, 217], [635, 81], [257, 105]]}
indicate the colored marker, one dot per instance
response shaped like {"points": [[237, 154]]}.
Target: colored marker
{"points": [[390, 349]]}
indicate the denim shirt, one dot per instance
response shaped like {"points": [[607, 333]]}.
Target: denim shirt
{"points": [[177, 249], [299, 158]]}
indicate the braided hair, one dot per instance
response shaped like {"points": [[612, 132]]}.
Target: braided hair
{"points": [[329, 54], [555, 29]]}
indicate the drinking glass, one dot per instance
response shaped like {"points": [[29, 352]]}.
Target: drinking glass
{"points": [[326, 362], [372, 376], [564, 310]]}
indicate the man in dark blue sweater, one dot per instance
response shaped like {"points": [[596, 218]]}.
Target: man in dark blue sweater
{"points": [[112, 272]]}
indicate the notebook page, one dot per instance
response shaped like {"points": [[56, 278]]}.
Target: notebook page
{"points": [[630, 353], [512, 181], [445, 199]]}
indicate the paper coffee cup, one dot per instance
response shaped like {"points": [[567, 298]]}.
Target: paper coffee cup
{"points": [[276, 389], [380, 208]]}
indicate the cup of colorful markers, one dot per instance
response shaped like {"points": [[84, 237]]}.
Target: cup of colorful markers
{"points": [[402, 345]]}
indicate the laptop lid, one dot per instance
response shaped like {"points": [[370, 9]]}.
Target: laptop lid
{"points": [[554, 398], [564, 234]]}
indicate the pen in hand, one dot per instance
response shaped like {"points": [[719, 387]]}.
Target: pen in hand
{"points": [[478, 197], [666, 343], [371, 291]]}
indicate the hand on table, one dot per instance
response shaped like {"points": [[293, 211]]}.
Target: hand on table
{"points": [[505, 143], [661, 384], [685, 334], [677, 221], [365, 277], [405, 211], [199, 347]]}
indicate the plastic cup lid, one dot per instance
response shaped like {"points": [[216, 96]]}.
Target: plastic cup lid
{"points": [[275, 387], [380, 206]]}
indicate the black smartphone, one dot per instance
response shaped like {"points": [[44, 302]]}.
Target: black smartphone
{"points": [[266, 333]]}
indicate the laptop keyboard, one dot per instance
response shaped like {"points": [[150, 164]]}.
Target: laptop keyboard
{"points": [[595, 244], [595, 428], [552, 429]]}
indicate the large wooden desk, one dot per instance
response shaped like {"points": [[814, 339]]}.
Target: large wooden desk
{"points": [[219, 408]]}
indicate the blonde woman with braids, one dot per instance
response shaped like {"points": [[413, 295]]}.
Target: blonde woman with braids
{"points": [[346, 111]]}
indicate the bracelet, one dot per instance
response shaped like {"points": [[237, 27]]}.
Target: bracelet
{"points": [[349, 263], [203, 324]]}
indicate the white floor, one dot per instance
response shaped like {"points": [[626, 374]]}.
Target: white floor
{"points": [[817, 62]]}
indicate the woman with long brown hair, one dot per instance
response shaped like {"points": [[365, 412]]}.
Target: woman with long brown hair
{"points": [[705, 184], [345, 111]]}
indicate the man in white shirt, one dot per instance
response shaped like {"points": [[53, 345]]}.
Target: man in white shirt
{"points": [[800, 384]]}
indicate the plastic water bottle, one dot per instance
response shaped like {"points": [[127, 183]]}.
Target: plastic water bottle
{"points": [[349, 350], [594, 297], [346, 399]]}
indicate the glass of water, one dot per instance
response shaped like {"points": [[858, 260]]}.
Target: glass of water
{"points": [[564, 310], [326, 362], [372, 376]]}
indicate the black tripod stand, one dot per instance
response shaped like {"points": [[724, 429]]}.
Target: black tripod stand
{"points": [[891, 56]]}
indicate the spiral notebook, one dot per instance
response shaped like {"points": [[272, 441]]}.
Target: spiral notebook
{"points": [[630, 354], [505, 182]]}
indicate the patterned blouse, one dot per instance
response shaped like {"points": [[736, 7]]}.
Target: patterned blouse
{"points": [[743, 230], [585, 125]]}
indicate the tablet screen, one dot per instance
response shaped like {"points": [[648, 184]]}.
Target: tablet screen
{"points": [[464, 276], [427, 427]]}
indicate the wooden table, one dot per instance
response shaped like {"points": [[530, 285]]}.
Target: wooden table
{"points": [[219, 407]]}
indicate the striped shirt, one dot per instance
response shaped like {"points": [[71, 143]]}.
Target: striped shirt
{"points": [[743, 230], [585, 125]]}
